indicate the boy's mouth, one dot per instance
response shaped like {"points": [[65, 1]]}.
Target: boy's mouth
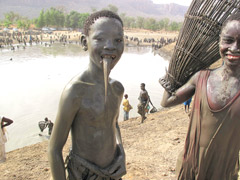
{"points": [[107, 56], [232, 57]]}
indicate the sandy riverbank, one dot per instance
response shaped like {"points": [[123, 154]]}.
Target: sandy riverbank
{"points": [[151, 149]]}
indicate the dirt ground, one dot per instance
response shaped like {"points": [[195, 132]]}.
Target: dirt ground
{"points": [[151, 149]]}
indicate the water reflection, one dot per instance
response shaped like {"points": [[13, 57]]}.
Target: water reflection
{"points": [[33, 81]]}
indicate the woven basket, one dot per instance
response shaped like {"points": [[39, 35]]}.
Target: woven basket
{"points": [[197, 45]]}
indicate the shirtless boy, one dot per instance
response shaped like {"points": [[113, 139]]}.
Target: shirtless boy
{"points": [[212, 144], [89, 107]]}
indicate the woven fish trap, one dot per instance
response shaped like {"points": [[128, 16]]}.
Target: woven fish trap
{"points": [[197, 46]]}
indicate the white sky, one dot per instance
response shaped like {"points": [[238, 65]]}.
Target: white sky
{"points": [[181, 2]]}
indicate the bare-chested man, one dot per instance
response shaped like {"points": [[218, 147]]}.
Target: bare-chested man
{"points": [[89, 107], [144, 100], [212, 144]]}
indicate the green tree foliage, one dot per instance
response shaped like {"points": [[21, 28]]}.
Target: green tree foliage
{"points": [[75, 19], [41, 20], [55, 17], [130, 22], [11, 17], [174, 26], [7, 23], [82, 19], [161, 25], [52, 18], [123, 17], [47, 18], [151, 24], [166, 23], [113, 8], [93, 9], [21, 24], [140, 22]]}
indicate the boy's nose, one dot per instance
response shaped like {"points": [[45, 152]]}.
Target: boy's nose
{"points": [[109, 45], [234, 47]]}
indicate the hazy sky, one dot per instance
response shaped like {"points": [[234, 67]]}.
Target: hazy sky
{"points": [[181, 2]]}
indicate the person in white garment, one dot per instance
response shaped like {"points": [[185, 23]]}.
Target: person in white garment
{"points": [[3, 139]]}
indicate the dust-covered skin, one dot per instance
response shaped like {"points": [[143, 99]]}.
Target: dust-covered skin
{"points": [[90, 102], [215, 115], [221, 88], [223, 83]]}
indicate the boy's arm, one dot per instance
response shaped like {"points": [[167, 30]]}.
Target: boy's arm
{"points": [[119, 168], [182, 94], [66, 113], [118, 134]]}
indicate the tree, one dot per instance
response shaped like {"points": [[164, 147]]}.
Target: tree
{"points": [[112, 8], [10, 16], [82, 19], [41, 20], [151, 24], [57, 17], [160, 25], [123, 17], [72, 20], [130, 22], [20, 24], [173, 26], [47, 18], [7, 23], [93, 9], [140, 22], [166, 23], [27, 24]]}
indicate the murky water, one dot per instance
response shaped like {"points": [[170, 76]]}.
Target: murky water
{"points": [[32, 82]]}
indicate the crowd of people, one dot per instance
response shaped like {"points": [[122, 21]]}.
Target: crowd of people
{"points": [[22, 39]]}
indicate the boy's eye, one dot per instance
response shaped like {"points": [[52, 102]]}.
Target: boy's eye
{"points": [[227, 40], [98, 38], [119, 40]]}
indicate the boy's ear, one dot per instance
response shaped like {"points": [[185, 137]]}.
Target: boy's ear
{"points": [[84, 42]]}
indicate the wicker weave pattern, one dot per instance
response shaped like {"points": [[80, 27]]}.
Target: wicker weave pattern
{"points": [[197, 46]]}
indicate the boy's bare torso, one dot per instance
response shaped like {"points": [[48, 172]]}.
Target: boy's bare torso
{"points": [[94, 126]]}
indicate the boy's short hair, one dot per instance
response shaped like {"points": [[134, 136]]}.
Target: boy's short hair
{"points": [[231, 18], [93, 17]]}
